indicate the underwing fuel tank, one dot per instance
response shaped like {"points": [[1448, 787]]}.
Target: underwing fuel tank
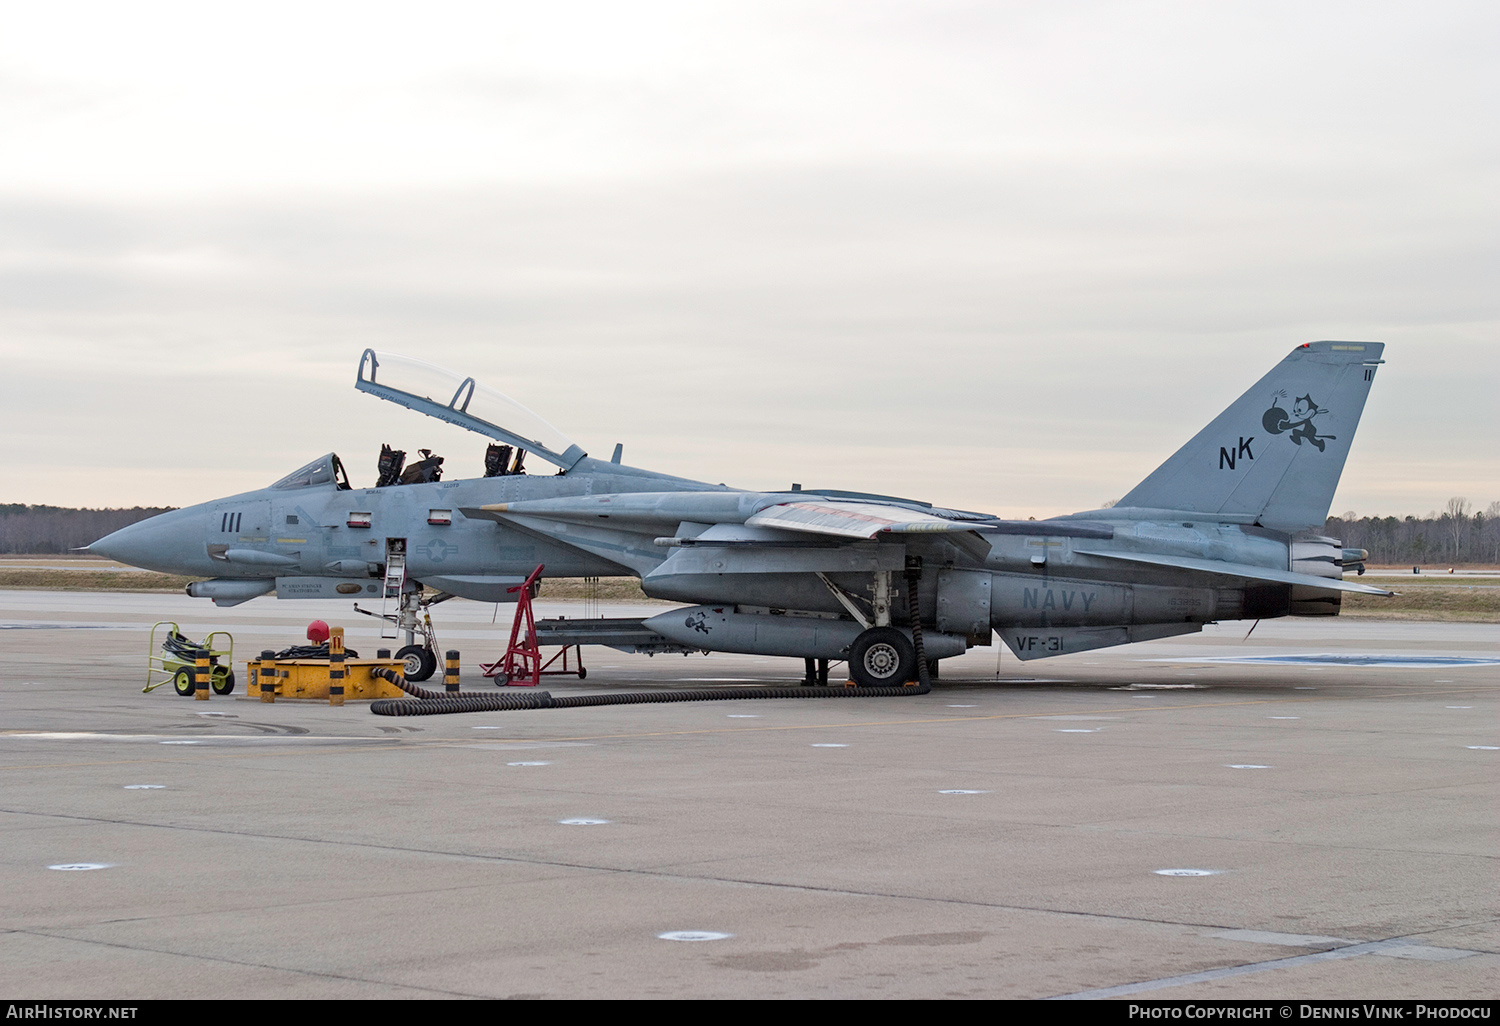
{"points": [[231, 592], [723, 629]]}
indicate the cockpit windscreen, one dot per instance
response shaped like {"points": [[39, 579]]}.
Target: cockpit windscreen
{"points": [[323, 470]]}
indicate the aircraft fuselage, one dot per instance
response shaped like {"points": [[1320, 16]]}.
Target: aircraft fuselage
{"points": [[1224, 529]]}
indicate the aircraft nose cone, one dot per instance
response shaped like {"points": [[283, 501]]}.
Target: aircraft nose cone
{"points": [[113, 546], [155, 544], [123, 545]]}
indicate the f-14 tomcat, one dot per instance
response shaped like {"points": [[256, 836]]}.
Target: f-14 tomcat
{"points": [[1225, 529]]}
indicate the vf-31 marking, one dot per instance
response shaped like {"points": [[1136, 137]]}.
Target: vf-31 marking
{"points": [[810, 573]]}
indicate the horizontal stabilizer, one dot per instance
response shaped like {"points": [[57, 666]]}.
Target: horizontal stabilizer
{"points": [[1241, 570]]}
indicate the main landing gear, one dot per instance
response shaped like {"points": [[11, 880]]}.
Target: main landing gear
{"points": [[883, 656]]}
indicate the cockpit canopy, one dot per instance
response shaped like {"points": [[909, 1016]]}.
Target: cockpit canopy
{"points": [[321, 471], [441, 393]]}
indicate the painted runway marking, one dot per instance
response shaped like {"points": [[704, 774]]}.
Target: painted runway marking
{"points": [[528, 764], [1187, 872], [72, 735], [1244, 765], [962, 792], [1283, 717], [65, 626], [693, 935], [507, 746], [145, 787], [1160, 687], [1407, 661], [80, 867], [583, 821], [569, 741], [1426, 953], [1484, 748], [1287, 940], [829, 746]]}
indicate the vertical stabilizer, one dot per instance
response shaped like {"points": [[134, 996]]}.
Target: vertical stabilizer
{"points": [[1277, 452]]}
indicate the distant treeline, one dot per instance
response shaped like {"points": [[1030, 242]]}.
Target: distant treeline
{"points": [[1457, 535], [50, 530]]}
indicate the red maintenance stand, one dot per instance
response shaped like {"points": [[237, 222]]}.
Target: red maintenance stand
{"points": [[522, 665]]}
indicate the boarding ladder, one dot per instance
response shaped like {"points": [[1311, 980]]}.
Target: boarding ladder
{"points": [[395, 581]]}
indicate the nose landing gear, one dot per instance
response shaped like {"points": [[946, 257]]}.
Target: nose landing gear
{"points": [[420, 662]]}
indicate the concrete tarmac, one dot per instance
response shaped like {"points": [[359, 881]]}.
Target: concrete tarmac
{"points": [[1024, 831]]}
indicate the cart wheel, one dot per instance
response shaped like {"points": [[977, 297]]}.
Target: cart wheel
{"points": [[582, 673], [182, 683], [225, 684], [501, 680], [418, 662]]}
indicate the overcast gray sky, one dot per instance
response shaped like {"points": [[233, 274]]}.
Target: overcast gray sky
{"points": [[1004, 256]]}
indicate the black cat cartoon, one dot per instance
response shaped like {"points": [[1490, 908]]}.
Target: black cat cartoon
{"points": [[1299, 422]]}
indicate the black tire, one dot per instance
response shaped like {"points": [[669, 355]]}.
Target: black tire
{"points": [[418, 662], [882, 657], [223, 685], [182, 682], [582, 673]]}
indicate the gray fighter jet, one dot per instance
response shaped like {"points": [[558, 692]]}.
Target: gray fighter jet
{"points": [[1225, 529]]}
